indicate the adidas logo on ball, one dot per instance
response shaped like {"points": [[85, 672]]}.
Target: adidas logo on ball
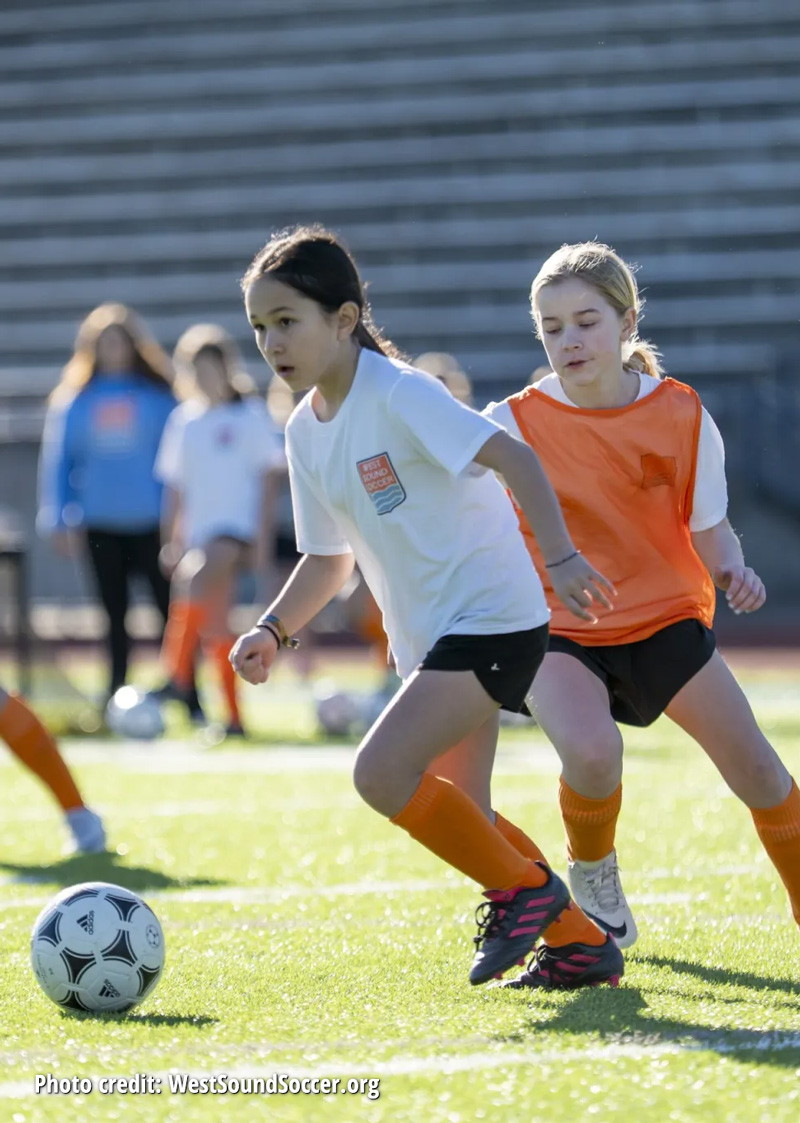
{"points": [[87, 923], [108, 990]]}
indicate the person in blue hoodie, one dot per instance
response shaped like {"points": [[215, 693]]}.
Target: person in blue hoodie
{"points": [[98, 493]]}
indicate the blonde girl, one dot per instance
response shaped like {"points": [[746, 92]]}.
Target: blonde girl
{"points": [[638, 466]]}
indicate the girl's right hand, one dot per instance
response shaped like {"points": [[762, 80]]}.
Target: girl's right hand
{"points": [[253, 654], [577, 584]]}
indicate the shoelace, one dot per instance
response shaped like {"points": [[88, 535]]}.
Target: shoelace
{"points": [[604, 885], [545, 960], [489, 918]]}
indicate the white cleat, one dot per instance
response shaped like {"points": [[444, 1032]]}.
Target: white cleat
{"points": [[87, 830], [596, 888]]}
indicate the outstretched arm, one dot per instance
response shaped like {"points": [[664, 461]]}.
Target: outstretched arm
{"points": [[720, 551], [314, 581], [574, 581]]}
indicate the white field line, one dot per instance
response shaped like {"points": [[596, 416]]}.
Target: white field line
{"points": [[181, 757], [173, 810], [713, 1041], [263, 895], [184, 757], [694, 875], [255, 895]]}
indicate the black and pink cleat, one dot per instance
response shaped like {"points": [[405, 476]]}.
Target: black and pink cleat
{"points": [[510, 923], [572, 966]]}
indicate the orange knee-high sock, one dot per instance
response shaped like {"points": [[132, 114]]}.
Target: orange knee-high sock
{"points": [[573, 925], [590, 823], [219, 650], [32, 744], [446, 821], [779, 831], [518, 839], [181, 639]]}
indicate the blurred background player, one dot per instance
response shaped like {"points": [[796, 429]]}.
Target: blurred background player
{"points": [[98, 495], [639, 468], [448, 370], [219, 461], [34, 747]]}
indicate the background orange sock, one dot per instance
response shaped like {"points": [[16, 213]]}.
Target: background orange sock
{"points": [[573, 926], [451, 825], [30, 742], [218, 650], [590, 824], [181, 640], [779, 831]]}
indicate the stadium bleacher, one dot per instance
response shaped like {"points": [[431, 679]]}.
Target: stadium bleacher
{"points": [[147, 149]]}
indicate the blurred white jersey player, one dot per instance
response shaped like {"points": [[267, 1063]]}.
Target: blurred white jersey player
{"points": [[219, 460]]}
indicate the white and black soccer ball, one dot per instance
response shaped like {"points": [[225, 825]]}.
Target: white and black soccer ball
{"points": [[135, 714], [337, 712], [97, 947]]}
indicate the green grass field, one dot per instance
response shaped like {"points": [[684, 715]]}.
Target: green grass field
{"points": [[307, 936]]}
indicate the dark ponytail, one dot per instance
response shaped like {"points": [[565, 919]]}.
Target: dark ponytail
{"points": [[312, 260]]}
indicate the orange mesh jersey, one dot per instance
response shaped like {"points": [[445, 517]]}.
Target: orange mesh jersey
{"points": [[625, 480]]}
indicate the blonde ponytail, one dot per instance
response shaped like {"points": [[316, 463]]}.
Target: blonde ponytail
{"points": [[639, 355]]}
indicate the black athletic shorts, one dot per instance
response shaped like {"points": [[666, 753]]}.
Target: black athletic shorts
{"points": [[286, 548], [643, 677], [504, 664]]}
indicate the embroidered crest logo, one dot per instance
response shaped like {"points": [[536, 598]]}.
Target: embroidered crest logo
{"points": [[381, 483]]}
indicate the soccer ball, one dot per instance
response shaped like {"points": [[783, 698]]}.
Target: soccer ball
{"points": [[134, 714], [337, 712], [97, 947]]}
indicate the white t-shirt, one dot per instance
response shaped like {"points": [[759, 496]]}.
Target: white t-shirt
{"points": [[216, 458], [710, 501], [391, 479]]}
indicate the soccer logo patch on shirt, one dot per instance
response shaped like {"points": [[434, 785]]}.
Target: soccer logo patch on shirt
{"points": [[381, 483]]}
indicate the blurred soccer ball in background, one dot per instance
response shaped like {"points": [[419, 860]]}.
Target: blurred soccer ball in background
{"points": [[134, 714], [97, 947], [338, 712]]}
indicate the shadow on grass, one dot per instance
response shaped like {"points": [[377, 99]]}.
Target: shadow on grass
{"points": [[201, 1021], [101, 867], [622, 1018], [719, 975]]}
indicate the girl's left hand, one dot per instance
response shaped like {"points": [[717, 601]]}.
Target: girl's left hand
{"points": [[578, 585], [744, 590]]}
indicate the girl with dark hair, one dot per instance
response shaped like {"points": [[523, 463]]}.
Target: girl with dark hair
{"points": [[388, 470], [218, 460], [97, 489]]}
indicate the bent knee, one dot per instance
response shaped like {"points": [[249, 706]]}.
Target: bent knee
{"points": [[762, 782], [368, 777], [595, 757]]}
